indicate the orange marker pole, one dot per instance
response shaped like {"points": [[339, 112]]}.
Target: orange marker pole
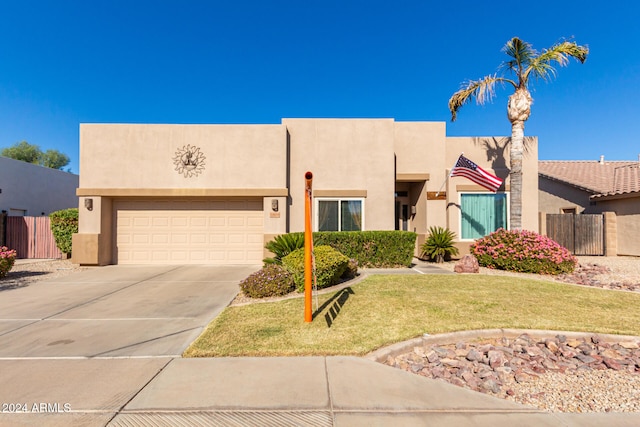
{"points": [[308, 246]]}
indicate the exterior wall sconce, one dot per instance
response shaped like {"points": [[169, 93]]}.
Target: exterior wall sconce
{"points": [[274, 205], [88, 203], [413, 210]]}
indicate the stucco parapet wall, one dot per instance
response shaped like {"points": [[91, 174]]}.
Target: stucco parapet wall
{"points": [[182, 192]]}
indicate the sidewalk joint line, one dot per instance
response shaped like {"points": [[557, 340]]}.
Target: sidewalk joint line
{"points": [[119, 410], [326, 375]]}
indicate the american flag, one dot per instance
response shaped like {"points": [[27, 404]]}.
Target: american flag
{"points": [[466, 168]]}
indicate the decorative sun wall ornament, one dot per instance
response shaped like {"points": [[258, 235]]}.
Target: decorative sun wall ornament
{"points": [[189, 161]]}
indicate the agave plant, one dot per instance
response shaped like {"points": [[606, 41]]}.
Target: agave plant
{"points": [[282, 246], [439, 244]]}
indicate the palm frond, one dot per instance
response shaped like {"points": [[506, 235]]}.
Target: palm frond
{"points": [[542, 65], [521, 52], [482, 90]]}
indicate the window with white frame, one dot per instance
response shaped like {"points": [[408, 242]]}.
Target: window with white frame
{"points": [[344, 214], [482, 214]]}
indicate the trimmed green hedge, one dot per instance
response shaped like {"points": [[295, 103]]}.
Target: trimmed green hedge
{"points": [[330, 266], [64, 224], [376, 249]]}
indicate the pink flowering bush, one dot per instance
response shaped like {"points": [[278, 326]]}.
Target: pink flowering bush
{"points": [[272, 280], [7, 258], [523, 251]]}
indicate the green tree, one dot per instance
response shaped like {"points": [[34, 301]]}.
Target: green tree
{"points": [[32, 153], [23, 151], [524, 63], [54, 159]]}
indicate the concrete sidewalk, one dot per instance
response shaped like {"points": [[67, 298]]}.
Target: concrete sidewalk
{"points": [[299, 391]]}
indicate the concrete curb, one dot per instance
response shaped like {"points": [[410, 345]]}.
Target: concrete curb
{"points": [[397, 349]]}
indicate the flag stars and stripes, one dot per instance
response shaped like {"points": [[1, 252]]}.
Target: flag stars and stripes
{"points": [[468, 169]]}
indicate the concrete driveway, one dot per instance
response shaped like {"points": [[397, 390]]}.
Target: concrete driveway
{"points": [[115, 311]]}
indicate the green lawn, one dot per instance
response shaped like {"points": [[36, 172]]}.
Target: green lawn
{"points": [[382, 310]]}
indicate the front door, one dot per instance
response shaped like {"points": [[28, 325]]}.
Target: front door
{"points": [[402, 211]]}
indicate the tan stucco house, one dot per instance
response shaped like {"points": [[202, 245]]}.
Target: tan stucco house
{"points": [[595, 187], [215, 194]]}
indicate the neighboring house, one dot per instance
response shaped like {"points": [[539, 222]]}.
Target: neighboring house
{"points": [[593, 187], [32, 190], [178, 194]]}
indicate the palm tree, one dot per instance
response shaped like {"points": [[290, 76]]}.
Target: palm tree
{"points": [[525, 63]]}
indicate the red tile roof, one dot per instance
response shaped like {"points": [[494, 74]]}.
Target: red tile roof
{"points": [[600, 179]]}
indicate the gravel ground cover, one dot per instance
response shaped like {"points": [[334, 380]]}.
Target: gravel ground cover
{"points": [[29, 271]]}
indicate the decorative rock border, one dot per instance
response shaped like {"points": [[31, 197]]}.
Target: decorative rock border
{"points": [[547, 369]]}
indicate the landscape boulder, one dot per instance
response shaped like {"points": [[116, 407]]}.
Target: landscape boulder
{"points": [[467, 264]]}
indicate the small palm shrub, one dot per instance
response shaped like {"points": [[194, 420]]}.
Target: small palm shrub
{"points": [[330, 266], [7, 258], [523, 251], [439, 244], [282, 246], [271, 281]]}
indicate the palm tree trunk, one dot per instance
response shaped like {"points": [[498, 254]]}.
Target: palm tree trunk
{"points": [[515, 175], [518, 111]]}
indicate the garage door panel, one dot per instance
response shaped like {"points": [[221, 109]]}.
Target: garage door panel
{"points": [[158, 239], [236, 256], [236, 221], [255, 238], [179, 238], [162, 221], [255, 222], [236, 238], [198, 239], [217, 238], [183, 232], [198, 256], [217, 222], [157, 257], [180, 221], [141, 238], [141, 222], [199, 221]]}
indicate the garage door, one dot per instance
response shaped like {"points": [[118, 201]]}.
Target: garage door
{"points": [[226, 231]]}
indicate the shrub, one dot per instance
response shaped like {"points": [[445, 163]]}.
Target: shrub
{"points": [[377, 249], [439, 244], [272, 280], [7, 258], [282, 246], [523, 251], [64, 224], [330, 265]]}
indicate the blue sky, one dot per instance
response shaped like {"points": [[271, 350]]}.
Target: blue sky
{"points": [[69, 62]]}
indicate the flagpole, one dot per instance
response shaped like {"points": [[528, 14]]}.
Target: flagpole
{"points": [[448, 175]]}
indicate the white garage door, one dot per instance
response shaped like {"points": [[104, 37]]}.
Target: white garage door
{"points": [[217, 231]]}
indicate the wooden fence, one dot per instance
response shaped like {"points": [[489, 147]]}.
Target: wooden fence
{"points": [[31, 237], [582, 234]]}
